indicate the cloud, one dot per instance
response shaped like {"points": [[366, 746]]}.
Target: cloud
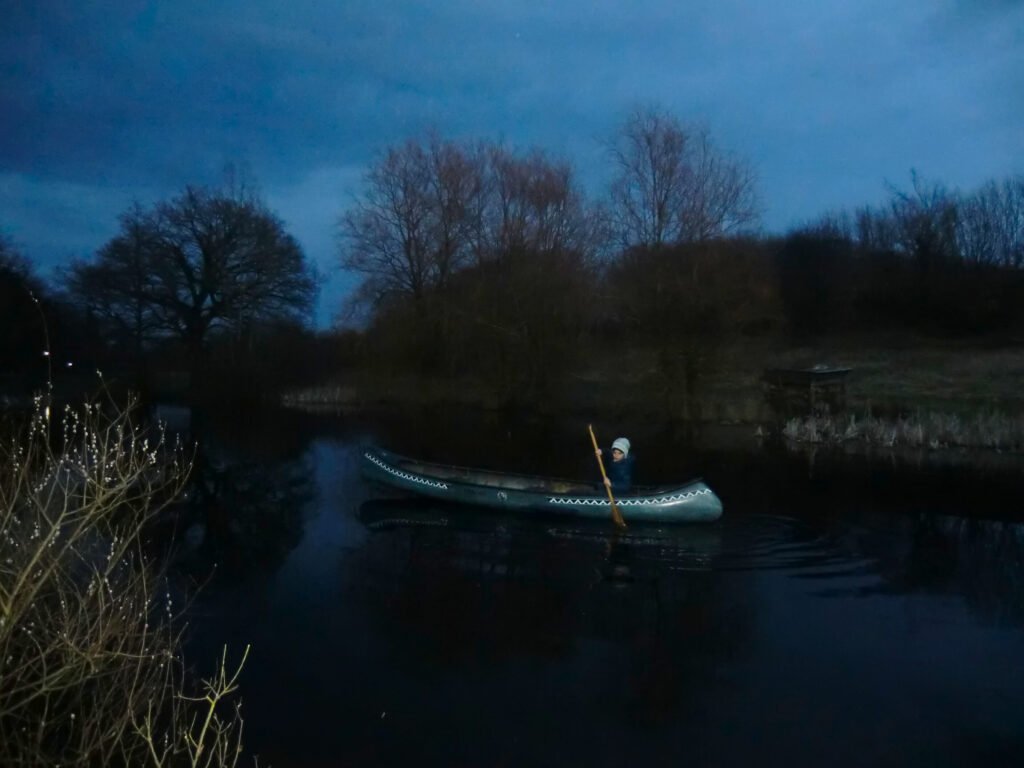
{"points": [[827, 99], [53, 221]]}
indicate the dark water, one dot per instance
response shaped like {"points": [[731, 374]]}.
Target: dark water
{"points": [[852, 612]]}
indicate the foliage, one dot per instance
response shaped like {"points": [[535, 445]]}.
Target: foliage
{"points": [[814, 271], [930, 260], [473, 257], [90, 666], [684, 302], [208, 260], [520, 321]]}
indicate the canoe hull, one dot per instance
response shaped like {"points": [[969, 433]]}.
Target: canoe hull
{"points": [[690, 502]]}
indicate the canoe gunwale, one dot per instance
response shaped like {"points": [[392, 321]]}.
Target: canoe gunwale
{"points": [[541, 484], [691, 502]]}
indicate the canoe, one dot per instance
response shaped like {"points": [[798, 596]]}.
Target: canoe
{"points": [[690, 502]]}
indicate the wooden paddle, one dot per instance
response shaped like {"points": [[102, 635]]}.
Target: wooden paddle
{"points": [[616, 515]]}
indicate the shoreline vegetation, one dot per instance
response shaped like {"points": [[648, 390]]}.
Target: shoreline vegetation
{"points": [[982, 431], [909, 393], [91, 666]]}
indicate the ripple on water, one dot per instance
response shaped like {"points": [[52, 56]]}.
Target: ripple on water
{"points": [[788, 544], [748, 543]]}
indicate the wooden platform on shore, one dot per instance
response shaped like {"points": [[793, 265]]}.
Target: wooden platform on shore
{"points": [[801, 391]]}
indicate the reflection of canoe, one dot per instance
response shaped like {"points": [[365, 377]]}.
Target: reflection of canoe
{"points": [[691, 502], [411, 512], [644, 545], [391, 514]]}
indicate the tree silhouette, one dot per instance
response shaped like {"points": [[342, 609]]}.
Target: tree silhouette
{"points": [[21, 336], [674, 186], [206, 260]]}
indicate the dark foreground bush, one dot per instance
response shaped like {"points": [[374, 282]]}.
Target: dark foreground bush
{"points": [[90, 664]]}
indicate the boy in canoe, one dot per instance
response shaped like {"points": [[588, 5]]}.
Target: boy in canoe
{"points": [[620, 468]]}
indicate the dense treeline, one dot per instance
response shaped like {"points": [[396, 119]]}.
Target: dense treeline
{"points": [[931, 260], [484, 262], [480, 260]]}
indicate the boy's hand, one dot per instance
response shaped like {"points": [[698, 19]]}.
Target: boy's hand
{"points": [[607, 483]]}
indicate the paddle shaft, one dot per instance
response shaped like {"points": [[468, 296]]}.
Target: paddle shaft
{"points": [[616, 514]]}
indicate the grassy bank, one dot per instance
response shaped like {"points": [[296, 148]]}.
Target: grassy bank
{"points": [[996, 431], [893, 375], [902, 390]]}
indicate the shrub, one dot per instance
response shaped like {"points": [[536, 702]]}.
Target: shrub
{"points": [[90, 663]]}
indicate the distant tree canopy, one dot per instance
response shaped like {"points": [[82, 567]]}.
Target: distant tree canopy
{"points": [[208, 259], [485, 250], [672, 185], [930, 259], [431, 208], [930, 225], [481, 259], [682, 302], [485, 261]]}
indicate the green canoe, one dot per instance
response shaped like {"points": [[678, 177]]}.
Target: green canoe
{"points": [[690, 502]]}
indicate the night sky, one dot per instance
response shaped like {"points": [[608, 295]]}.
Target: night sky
{"points": [[103, 103]]}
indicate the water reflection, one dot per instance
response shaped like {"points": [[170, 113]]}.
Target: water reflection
{"points": [[476, 588], [981, 561], [251, 484], [831, 616], [246, 515]]}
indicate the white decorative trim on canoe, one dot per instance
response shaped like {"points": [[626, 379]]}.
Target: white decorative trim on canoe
{"points": [[642, 502], [405, 475]]}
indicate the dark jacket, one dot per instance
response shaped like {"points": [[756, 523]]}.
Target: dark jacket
{"points": [[619, 472]]}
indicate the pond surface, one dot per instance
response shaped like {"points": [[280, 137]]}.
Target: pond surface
{"points": [[844, 612]]}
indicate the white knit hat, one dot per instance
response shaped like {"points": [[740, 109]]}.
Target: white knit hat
{"points": [[622, 444]]}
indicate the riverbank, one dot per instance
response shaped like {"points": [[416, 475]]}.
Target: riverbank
{"points": [[894, 374], [901, 390]]}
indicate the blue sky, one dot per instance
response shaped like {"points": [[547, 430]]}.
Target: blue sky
{"points": [[105, 103]]}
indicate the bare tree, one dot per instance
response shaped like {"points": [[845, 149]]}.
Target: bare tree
{"points": [[1011, 220], [116, 287], [412, 225], [458, 194], [990, 228], [925, 222], [467, 242], [647, 193], [529, 295], [674, 186], [535, 205], [720, 194], [207, 259], [874, 230]]}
